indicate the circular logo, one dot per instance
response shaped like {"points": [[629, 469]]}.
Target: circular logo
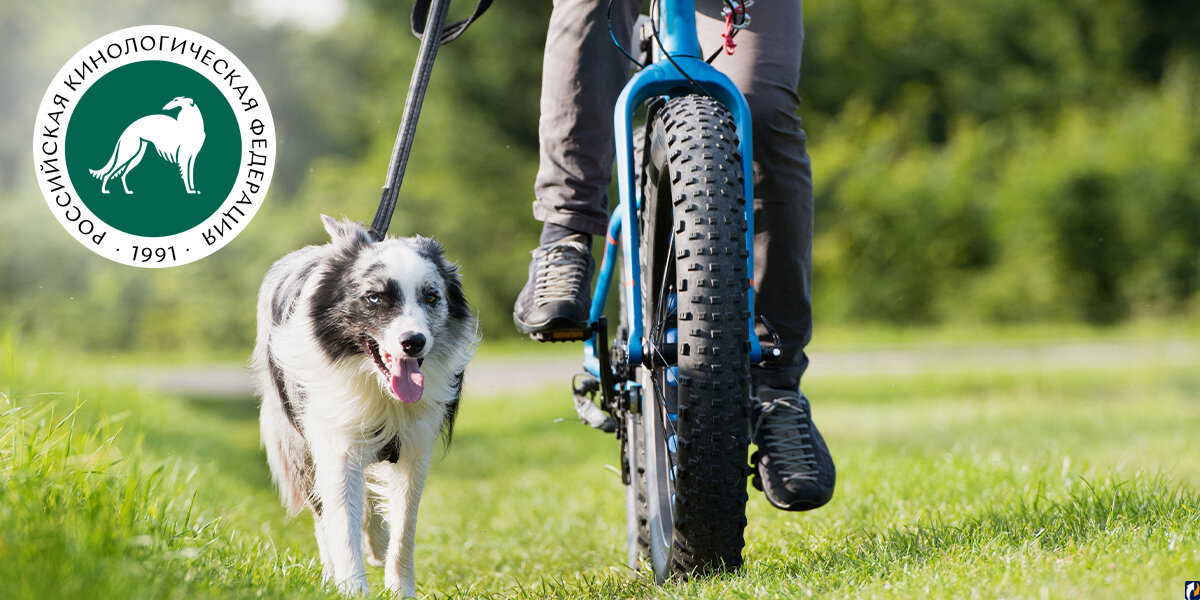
{"points": [[154, 146]]}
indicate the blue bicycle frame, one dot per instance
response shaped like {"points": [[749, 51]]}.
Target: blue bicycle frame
{"points": [[684, 72]]}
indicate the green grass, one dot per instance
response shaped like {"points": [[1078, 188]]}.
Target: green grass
{"points": [[1016, 485]]}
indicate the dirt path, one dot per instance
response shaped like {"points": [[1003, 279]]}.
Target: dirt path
{"points": [[494, 376]]}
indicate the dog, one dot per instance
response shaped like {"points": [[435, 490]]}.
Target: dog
{"points": [[359, 362], [177, 139]]}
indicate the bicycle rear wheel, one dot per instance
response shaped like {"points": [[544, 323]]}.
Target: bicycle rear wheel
{"points": [[690, 453]]}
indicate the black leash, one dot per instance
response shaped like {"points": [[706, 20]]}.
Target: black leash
{"points": [[452, 31], [429, 25]]}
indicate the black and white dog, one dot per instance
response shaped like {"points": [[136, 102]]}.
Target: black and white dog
{"points": [[359, 363]]}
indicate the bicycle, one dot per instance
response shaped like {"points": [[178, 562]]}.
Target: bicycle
{"points": [[686, 221], [674, 384]]}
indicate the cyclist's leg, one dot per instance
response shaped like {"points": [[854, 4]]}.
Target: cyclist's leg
{"points": [[766, 67], [582, 75], [794, 465]]}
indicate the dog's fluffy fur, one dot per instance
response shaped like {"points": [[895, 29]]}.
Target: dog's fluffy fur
{"points": [[337, 352]]}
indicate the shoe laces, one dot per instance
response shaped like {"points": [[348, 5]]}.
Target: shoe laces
{"points": [[562, 270], [788, 434]]}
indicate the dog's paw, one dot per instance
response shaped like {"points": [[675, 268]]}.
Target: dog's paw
{"points": [[400, 588], [354, 586]]}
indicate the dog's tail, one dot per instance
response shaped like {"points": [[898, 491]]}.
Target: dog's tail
{"points": [[108, 167]]}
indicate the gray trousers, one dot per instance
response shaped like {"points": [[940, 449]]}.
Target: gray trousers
{"points": [[582, 75]]}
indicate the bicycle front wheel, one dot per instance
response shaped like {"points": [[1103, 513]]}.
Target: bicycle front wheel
{"points": [[695, 433]]}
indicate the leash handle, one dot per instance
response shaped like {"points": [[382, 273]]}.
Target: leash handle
{"points": [[452, 31], [408, 122]]}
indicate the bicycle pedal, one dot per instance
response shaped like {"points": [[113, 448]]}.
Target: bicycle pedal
{"points": [[584, 387], [593, 416], [561, 336]]}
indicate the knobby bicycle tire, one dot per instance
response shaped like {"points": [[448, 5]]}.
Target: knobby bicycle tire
{"points": [[693, 248]]}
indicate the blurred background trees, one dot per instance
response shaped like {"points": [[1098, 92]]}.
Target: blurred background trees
{"points": [[974, 161]]}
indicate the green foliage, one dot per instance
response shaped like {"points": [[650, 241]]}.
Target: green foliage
{"points": [[1093, 218], [1019, 161], [944, 59], [1109, 205], [974, 162]]}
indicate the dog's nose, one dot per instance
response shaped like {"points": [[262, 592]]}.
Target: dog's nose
{"points": [[412, 343]]}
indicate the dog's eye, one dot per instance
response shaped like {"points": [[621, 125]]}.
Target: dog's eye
{"points": [[372, 297], [431, 297]]}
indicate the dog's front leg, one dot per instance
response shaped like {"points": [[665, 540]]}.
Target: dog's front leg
{"points": [[340, 487], [323, 548], [405, 484]]}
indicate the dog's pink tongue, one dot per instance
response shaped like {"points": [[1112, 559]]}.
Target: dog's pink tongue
{"points": [[407, 381]]}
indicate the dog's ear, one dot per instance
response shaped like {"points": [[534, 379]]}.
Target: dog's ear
{"points": [[345, 232]]}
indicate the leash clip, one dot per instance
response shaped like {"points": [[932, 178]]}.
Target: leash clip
{"points": [[735, 13]]}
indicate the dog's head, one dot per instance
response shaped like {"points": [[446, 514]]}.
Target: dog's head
{"points": [[179, 102], [397, 301]]}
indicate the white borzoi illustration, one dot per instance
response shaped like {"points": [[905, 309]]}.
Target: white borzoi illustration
{"points": [[359, 363], [176, 139]]}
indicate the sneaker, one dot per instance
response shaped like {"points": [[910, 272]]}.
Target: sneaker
{"points": [[554, 304], [792, 464]]}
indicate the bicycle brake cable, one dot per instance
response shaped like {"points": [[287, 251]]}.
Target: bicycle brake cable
{"points": [[617, 43]]}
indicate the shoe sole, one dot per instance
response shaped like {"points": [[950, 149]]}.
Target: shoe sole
{"points": [[555, 330], [797, 506], [793, 508]]}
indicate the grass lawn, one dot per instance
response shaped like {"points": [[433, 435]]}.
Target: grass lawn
{"points": [[1038, 484]]}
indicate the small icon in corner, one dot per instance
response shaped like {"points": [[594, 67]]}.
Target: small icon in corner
{"points": [[1191, 590]]}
